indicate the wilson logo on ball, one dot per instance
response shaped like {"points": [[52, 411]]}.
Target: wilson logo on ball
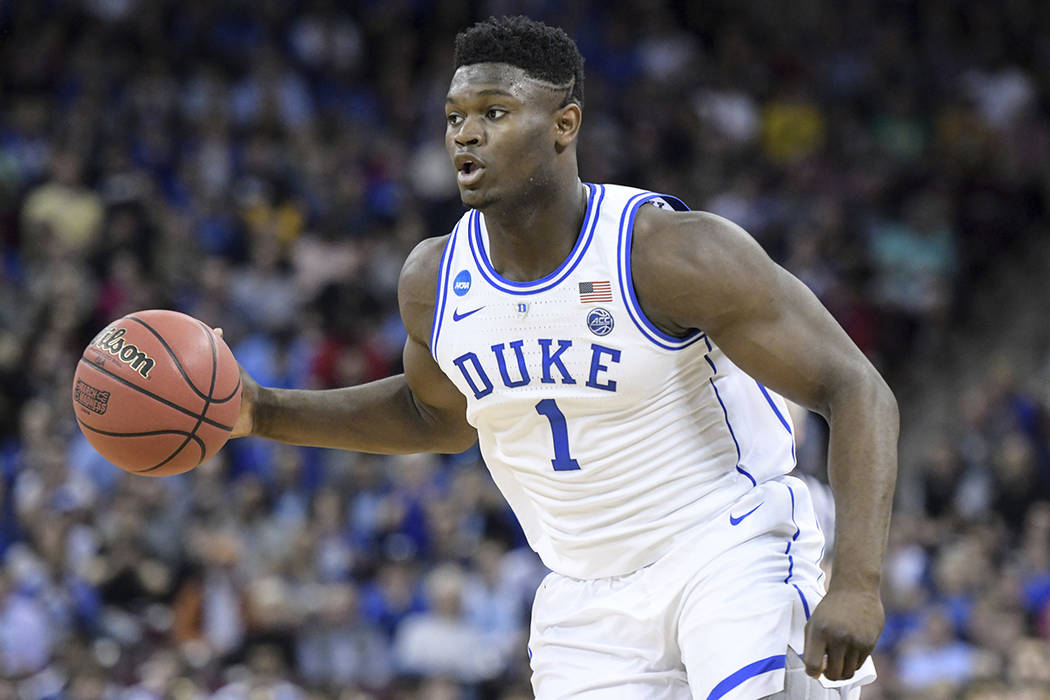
{"points": [[112, 341]]}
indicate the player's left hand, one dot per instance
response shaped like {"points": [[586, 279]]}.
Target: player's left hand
{"points": [[842, 631]]}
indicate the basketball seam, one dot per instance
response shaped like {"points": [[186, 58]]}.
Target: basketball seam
{"points": [[207, 400], [145, 433], [161, 399], [178, 364], [236, 390], [171, 353], [214, 370], [170, 457]]}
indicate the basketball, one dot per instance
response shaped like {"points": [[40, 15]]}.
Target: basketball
{"points": [[157, 392]]}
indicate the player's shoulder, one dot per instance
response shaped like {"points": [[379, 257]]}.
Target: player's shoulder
{"points": [[418, 283], [690, 266], [700, 240], [663, 220], [663, 225], [423, 265]]}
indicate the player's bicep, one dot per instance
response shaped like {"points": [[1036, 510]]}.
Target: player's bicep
{"points": [[790, 342], [435, 395], [712, 275]]}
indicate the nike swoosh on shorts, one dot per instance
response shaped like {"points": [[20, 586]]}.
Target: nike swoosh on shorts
{"points": [[457, 316], [737, 521]]}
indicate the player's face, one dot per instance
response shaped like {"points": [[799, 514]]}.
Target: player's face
{"points": [[499, 132]]}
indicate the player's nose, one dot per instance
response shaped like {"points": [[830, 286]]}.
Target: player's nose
{"points": [[471, 133]]}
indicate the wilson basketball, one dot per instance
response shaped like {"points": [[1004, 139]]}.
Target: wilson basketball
{"points": [[157, 392]]}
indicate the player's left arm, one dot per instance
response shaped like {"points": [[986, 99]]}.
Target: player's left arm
{"points": [[698, 270]]}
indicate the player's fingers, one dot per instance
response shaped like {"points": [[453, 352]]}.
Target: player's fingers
{"points": [[218, 331], [836, 656], [813, 657], [851, 662]]}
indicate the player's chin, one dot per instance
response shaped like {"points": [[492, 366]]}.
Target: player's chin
{"points": [[475, 198]]}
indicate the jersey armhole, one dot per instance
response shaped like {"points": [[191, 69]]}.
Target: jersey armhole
{"points": [[442, 290], [626, 280]]}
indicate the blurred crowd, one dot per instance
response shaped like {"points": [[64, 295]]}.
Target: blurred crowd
{"points": [[266, 166]]}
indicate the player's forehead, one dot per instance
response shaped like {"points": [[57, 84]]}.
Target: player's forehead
{"points": [[481, 79]]}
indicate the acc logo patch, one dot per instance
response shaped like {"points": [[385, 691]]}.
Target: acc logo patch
{"points": [[461, 285], [600, 321]]}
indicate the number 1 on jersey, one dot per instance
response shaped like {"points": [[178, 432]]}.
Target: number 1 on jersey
{"points": [[562, 461]]}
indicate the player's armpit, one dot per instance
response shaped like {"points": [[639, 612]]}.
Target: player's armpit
{"points": [[441, 406]]}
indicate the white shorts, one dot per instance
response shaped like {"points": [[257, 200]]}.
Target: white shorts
{"points": [[712, 618]]}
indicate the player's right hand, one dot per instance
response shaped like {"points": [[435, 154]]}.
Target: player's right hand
{"points": [[249, 394], [245, 424]]}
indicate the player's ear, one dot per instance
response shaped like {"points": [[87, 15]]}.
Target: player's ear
{"points": [[567, 122]]}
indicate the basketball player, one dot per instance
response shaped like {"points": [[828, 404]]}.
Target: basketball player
{"points": [[622, 362]]}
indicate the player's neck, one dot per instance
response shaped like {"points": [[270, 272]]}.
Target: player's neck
{"points": [[530, 241]]}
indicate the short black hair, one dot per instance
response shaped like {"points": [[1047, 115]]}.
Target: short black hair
{"points": [[544, 52]]}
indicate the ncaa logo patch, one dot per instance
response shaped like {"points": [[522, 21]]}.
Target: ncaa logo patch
{"points": [[600, 321], [461, 285]]}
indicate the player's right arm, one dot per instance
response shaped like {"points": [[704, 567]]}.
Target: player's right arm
{"points": [[418, 411]]}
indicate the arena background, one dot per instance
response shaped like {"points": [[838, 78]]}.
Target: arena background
{"points": [[266, 166]]}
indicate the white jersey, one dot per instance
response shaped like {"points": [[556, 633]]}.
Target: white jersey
{"points": [[610, 439]]}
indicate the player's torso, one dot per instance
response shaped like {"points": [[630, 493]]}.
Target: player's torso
{"points": [[609, 438]]}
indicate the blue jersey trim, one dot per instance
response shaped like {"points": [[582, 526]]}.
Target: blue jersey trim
{"points": [[805, 603], [442, 290], [769, 399], [757, 668], [791, 560], [725, 412], [798, 531], [623, 264], [484, 264], [732, 434], [780, 417]]}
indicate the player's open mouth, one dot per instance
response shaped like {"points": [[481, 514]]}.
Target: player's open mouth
{"points": [[469, 172]]}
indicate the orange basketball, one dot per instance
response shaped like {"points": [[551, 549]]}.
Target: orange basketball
{"points": [[157, 392]]}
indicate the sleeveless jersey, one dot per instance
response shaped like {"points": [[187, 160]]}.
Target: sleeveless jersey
{"points": [[610, 439]]}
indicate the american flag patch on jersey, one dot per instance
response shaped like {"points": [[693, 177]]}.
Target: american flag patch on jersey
{"points": [[593, 292]]}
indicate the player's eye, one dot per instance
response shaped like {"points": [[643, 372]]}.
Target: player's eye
{"points": [[454, 119], [495, 113]]}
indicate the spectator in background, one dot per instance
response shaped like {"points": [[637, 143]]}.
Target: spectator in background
{"points": [[915, 260], [211, 605], [443, 641], [265, 676], [936, 657], [335, 648], [27, 626], [62, 215]]}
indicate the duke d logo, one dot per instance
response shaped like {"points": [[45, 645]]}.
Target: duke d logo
{"points": [[112, 341]]}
